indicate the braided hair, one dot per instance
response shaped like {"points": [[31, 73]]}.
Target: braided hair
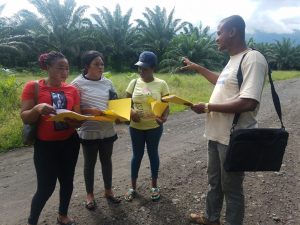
{"points": [[47, 59]]}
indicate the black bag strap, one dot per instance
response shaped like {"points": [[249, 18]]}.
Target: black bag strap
{"points": [[275, 96], [134, 85], [132, 92], [36, 92]]}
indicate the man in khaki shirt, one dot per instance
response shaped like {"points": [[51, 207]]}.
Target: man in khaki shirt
{"points": [[226, 100]]}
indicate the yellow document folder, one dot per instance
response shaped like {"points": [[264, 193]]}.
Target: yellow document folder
{"points": [[117, 109], [62, 114], [177, 100], [158, 107]]}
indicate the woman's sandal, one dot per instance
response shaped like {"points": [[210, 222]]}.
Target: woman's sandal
{"points": [[72, 222], [200, 219], [155, 194], [113, 199], [130, 195], [91, 205]]}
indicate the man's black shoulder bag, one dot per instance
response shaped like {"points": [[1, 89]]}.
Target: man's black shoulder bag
{"points": [[258, 149]]}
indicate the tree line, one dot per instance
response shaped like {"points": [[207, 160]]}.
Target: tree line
{"points": [[63, 27]]}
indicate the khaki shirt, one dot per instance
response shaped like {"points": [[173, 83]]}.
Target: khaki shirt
{"points": [[254, 70]]}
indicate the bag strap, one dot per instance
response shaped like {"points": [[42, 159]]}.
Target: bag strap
{"points": [[275, 97], [36, 92], [132, 92], [134, 85]]}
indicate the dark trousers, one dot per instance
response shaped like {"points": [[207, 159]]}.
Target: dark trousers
{"points": [[139, 138], [222, 184], [90, 152], [54, 160]]}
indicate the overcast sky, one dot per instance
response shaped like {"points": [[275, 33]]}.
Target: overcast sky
{"points": [[272, 16]]}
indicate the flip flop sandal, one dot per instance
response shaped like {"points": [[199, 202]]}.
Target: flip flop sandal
{"points": [[200, 219], [130, 195], [155, 194], [91, 205], [72, 222], [113, 199]]}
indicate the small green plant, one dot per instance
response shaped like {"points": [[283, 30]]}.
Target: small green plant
{"points": [[10, 130], [108, 74], [175, 80], [132, 75], [10, 122], [9, 98]]}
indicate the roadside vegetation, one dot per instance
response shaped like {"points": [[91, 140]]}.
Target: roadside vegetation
{"points": [[188, 86], [64, 26]]}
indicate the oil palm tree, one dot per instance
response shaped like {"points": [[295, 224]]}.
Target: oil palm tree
{"points": [[195, 43], [13, 42], [285, 54], [158, 29], [61, 27], [117, 36]]}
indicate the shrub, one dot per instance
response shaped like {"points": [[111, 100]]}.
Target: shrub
{"points": [[10, 122]]}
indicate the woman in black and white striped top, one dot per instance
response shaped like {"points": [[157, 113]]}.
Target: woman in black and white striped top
{"points": [[96, 136]]}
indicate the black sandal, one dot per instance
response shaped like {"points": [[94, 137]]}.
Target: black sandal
{"points": [[113, 199], [72, 222], [91, 205]]}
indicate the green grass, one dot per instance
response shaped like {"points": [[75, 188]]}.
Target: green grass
{"points": [[284, 75], [191, 87], [11, 131]]}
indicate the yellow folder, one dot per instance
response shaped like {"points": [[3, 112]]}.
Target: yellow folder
{"points": [[177, 100], [62, 114], [158, 108], [117, 109]]}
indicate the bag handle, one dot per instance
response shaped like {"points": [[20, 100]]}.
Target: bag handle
{"points": [[275, 97], [133, 91], [36, 92], [134, 85]]}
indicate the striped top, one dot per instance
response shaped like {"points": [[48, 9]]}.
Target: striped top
{"points": [[94, 94]]}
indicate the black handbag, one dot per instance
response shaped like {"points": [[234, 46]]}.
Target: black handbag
{"points": [[258, 149], [112, 95], [29, 130], [29, 133]]}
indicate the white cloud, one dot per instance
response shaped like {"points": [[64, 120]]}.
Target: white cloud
{"points": [[280, 16]]}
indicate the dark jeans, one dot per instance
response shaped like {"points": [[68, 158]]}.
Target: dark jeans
{"points": [[54, 160], [139, 138], [90, 152]]}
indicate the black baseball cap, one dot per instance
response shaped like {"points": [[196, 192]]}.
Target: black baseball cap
{"points": [[147, 59]]}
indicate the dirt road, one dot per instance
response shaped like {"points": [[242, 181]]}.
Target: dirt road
{"points": [[271, 198]]}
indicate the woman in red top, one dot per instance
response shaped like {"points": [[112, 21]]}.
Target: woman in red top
{"points": [[57, 146]]}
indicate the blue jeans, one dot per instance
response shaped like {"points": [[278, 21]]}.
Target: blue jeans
{"points": [[139, 138], [223, 184]]}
